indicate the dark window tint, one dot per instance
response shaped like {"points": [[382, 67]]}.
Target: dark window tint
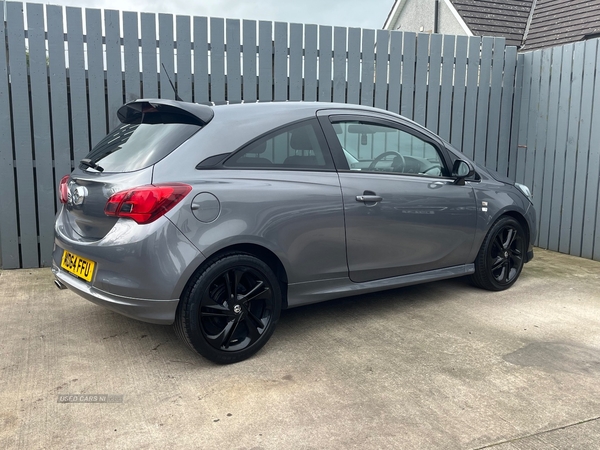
{"points": [[132, 147], [299, 146]]}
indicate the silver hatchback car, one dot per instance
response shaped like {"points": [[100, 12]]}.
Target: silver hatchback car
{"points": [[216, 218]]}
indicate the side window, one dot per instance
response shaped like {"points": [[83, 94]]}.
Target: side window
{"points": [[372, 147], [298, 146]]}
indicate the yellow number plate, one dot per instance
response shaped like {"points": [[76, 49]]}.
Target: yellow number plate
{"points": [[78, 266]]}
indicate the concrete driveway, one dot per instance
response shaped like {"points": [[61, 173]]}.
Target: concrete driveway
{"points": [[442, 365]]}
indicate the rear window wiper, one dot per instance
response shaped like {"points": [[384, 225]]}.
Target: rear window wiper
{"points": [[91, 164]]}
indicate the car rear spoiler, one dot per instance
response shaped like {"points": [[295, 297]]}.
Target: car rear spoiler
{"points": [[162, 110]]}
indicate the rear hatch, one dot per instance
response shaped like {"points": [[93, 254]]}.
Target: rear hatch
{"points": [[149, 131]]}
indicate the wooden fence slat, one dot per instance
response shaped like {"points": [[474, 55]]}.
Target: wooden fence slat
{"points": [[381, 68], [249, 60], [541, 136], [581, 174], [483, 99], [234, 70], [339, 64], [493, 125], [265, 61], [408, 75], [280, 62], [149, 56], [183, 75], [433, 82], [9, 233], [524, 118], [40, 121], [353, 94], [166, 53], [534, 102], [22, 136], [58, 95], [95, 59], [77, 85], [420, 75], [310, 62], [446, 88], [553, 66], [217, 60], [571, 150], [131, 56], [114, 71], [296, 41], [506, 109], [395, 87], [201, 94], [561, 145], [325, 50], [516, 117], [368, 67], [458, 101], [591, 220], [473, 61]]}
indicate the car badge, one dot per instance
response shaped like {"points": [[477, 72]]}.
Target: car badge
{"points": [[78, 195]]}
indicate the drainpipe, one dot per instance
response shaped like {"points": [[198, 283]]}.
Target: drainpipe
{"points": [[436, 17]]}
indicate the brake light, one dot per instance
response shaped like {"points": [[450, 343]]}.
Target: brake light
{"points": [[63, 189], [145, 204]]}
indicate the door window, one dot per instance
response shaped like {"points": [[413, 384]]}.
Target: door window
{"points": [[373, 147]]}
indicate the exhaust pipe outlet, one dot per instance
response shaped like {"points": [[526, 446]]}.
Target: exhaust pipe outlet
{"points": [[59, 285]]}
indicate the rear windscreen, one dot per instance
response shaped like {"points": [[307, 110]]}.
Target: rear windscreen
{"points": [[136, 146]]}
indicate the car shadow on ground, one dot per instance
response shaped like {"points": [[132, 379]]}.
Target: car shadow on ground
{"points": [[298, 324]]}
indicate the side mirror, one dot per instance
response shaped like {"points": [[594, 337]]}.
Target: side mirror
{"points": [[462, 169]]}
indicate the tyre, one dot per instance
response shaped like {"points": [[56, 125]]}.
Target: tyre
{"points": [[501, 256], [230, 310]]}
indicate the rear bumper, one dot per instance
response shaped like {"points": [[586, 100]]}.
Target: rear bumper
{"points": [[147, 310]]}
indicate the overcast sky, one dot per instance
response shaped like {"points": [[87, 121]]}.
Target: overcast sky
{"points": [[348, 13]]}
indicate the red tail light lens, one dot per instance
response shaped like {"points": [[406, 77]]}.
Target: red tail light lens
{"points": [[63, 189], [145, 204]]}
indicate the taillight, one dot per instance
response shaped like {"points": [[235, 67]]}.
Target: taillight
{"points": [[145, 204], [63, 189]]}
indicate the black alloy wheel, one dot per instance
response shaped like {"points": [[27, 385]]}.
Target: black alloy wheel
{"points": [[231, 310], [502, 255]]}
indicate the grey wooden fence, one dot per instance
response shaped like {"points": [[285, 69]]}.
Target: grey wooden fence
{"points": [[56, 104], [559, 144]]}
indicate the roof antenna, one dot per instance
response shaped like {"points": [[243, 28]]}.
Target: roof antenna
{"points": [[177, 97]]}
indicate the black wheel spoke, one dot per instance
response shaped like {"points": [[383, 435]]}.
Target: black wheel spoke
{"points": [[232, 281], [256, 321], [507, 268], [215, 311], [510, 237], [253, 332], [497, 263], [256, 293], [218, 339], [209, 300], [228, 336]]}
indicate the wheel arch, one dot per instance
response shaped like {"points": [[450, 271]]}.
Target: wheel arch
{"points": [[258, 251]]}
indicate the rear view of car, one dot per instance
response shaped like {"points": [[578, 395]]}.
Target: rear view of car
{"points": [[108, 260]]}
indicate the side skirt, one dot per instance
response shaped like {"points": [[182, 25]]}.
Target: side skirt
{"points": [[318, 291]]}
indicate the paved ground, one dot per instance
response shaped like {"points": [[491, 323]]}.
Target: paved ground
{"points": [[442, 365]]}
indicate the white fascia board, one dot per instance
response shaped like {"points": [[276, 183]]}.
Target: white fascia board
{"points": [[395, 12], [459, 18]]}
